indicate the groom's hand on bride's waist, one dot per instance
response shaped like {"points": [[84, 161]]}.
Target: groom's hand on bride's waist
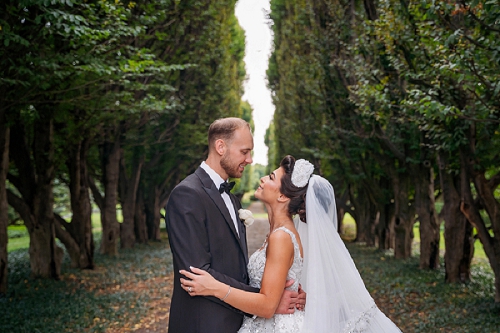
{"points": [[301, 302], [290, 300]]}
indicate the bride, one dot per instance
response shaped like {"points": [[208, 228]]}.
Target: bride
{"points": [[308, 250]]}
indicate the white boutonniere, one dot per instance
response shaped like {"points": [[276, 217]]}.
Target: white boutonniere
{"points": [[246, 216]]}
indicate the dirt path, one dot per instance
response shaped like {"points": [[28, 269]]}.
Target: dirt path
{"points": [[156, 320], [256, 233]]}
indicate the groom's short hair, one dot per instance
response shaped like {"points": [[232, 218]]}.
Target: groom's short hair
{"points": [[224, 129]]}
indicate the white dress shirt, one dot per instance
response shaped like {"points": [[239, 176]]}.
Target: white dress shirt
{"points": [[217, 179]]}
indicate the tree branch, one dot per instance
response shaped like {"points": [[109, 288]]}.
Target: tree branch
{"points": [[21, 208], [494, 182], [99, 200], [379, 133]]}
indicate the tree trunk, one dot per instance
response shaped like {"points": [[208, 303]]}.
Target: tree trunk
{"points": [[128, 196], [127, 227], [404, 217], [152, 205], [4, 219], [427, 216], [470, 208], [457, 235], [81, 206], [34, 182], [45, 255], [110, 155], [385, 226], [341, 210], [140, 227], [77, 235], [361, 215], [340, 219], [492, 206], [373, 220], [468, 250]]}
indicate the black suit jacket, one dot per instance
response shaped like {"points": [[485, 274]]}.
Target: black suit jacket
{"points": [[202, 234]]}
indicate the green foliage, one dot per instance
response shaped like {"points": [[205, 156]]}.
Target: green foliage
{"points": [[259, 171], [149, 75], [13, 216], [247, 114], [212, 40], [371, 91], [55, 49], [313, 117], [270, 141], [18, 238], [249, 182], [61, 198], [19, 243], [17, 231], [443, 53]]}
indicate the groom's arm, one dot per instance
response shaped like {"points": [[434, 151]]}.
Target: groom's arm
{"points": [[188, 236]]}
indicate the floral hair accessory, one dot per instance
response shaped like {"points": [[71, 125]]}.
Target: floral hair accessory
{"points": [[246, 216], [302, 171]]}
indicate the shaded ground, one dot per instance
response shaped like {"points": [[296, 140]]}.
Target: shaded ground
{"points": [[156, 319]]}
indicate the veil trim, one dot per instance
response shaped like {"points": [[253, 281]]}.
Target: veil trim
{"points": [[361, 322]]}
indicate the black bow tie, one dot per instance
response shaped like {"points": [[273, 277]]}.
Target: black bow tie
{"points": [[226, 187]]}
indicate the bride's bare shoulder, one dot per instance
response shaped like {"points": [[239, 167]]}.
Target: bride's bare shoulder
{"points": [[280, 237]]}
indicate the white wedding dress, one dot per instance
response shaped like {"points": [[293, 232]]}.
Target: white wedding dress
{"points": [[337, 299], [279, 323]]}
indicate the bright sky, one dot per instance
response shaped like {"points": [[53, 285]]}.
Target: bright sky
{"points": [[250, 14]]}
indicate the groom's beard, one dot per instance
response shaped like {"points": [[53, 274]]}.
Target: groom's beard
{"points": [[230, 167]]}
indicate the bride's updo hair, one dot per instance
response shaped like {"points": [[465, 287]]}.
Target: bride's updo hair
{"points": [[296, 194]]}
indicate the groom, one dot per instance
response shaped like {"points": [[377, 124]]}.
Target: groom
{"points": [[205, 231]]}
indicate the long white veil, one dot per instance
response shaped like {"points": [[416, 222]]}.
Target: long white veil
{"points": [[337, 299]]}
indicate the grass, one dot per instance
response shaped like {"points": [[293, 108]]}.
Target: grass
{"points": [[18, 237], [18, 243]]}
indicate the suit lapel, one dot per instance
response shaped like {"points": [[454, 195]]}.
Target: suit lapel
{"points": [[213, 193], [243, 236]]}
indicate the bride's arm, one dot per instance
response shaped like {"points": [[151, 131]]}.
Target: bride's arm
{"points": [[279, 258]]}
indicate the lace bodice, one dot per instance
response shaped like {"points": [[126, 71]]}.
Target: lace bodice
{"points": [[257, 263], [278, 323]]}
